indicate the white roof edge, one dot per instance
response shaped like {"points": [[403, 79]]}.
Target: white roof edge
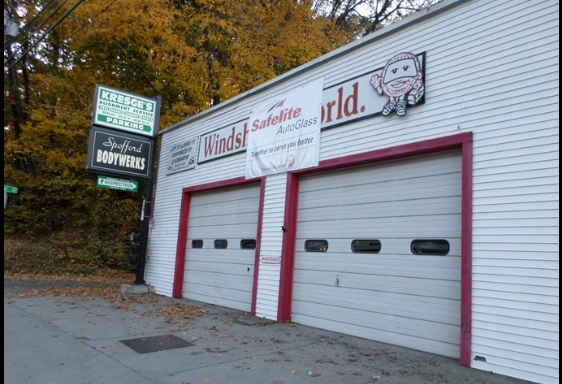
{"points": [[417, 17]]}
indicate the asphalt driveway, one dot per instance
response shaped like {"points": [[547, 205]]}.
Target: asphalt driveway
{"points": [[82, 332]]}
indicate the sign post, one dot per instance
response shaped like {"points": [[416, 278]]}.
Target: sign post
{"points": [[123, 143]]}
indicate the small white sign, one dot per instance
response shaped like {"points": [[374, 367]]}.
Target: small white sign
{"points": [[182, 156], [270, 259]]}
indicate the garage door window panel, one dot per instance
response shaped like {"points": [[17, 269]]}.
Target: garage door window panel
{"points": [[248, 244], [197, 244], [366, 246], [316, 245], [221, 244], [433, 247]]}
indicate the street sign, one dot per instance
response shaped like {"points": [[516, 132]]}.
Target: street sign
{"points": [[119, 184], [10, 189], [125, 111]]}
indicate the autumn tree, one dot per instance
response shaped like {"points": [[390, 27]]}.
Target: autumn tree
{"points": [[194, 54], [362, 17]]}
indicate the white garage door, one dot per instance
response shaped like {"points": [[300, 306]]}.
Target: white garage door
{"points": [[378, 252], [219, 267]]}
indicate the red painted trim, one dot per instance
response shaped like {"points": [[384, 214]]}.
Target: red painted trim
{"points": [[238, 181], [401, 151], [462, 140], [466, 255], [181, 245], [183, 226], [258, 248], [288, 248]]}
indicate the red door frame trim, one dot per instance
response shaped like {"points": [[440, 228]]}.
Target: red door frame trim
{"points": [[463, 141], [183, 228]]}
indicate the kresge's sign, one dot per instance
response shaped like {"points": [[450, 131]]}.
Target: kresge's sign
{"points": [[119, 153], [125, 111]]}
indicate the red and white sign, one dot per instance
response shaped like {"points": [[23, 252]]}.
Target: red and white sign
{"points": [[223, 142], [393, 88], [284, 132]]}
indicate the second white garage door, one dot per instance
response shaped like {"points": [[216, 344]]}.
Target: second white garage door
{"points": [[378, 252], [221, 242]]}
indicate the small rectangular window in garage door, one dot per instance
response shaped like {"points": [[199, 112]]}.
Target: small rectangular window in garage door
{"points": [[248, 244], [432, 247], [316, 245], [365, 246], [221, 244]]}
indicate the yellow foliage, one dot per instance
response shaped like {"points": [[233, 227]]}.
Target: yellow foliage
{"points": [[192, 53]]}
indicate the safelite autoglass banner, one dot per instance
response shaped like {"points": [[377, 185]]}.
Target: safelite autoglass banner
{"points": [[284, 132]]}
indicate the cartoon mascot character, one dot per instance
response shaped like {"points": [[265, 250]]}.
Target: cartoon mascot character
{"points": [[402, 81]]}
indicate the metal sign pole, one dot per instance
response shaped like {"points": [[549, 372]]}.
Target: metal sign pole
{"points": [[147, 208], [144, 234]]}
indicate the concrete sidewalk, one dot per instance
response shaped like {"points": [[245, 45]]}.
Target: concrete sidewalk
{"points": [[77, 340]]}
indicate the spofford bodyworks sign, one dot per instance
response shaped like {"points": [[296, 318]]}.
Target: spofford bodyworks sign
{"points": [[119, 153]]}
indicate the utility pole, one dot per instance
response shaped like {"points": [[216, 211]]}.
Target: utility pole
{"points": [[10, 33]]}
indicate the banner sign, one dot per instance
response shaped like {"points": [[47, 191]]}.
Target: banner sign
{"points": [[125, 111], [119, 153], [182, 156], [285, 132], [119, 184]]}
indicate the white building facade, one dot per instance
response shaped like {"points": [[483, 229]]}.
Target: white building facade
{"points": [[431, 220]]}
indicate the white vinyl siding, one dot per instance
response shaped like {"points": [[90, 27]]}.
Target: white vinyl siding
{"points": [[222, 276], [168, 196], [393, 296], [272, 238], [492, 68]]}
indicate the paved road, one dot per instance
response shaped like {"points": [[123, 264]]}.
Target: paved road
{"points": [[77, 340]]}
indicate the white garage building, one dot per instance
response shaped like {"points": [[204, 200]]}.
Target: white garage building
{"points": [[435, 229]]}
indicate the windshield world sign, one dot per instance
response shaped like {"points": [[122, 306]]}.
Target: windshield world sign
{"points": [[124, 111]]}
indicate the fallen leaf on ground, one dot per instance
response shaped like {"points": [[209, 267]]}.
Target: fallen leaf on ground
{"points": [[326, 361], [293, 372], [314, 374]]}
